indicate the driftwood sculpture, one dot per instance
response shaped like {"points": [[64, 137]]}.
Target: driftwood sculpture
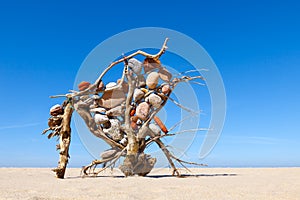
{"points": [[123, 114]]}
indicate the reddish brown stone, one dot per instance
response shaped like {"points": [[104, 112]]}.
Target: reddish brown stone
{"points": [[56, 110], [83, 85], [134, 125], [132, 112], [160, 124], [112, 98], [134, 118]]}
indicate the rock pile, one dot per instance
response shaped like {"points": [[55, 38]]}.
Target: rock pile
{"points": [[152, 83]]}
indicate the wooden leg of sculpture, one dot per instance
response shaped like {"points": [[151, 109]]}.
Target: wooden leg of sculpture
{"points": [[64, 142]]}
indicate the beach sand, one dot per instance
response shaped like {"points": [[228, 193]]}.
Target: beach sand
{"points": [[202, 183]]}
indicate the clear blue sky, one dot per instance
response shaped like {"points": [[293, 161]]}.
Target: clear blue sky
{"points": [[255, 44]]}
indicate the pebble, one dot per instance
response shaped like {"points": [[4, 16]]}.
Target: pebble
{"points": [[165, 89], [132, 112], [154, 100], [112, 98], [164, 74], [155, 129], [100, 118], [114, 130], [152, 80], [134, 118], [110, 85], [116, 111], [137, 94], [108, 153], [124, 141], [56, 110], [142, 110], [160, 124], [135, 65], [54, 121], [100, 110], [83, 85], [134, 125]]}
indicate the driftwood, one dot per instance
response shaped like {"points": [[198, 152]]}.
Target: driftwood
{"points": [[122, 114]]}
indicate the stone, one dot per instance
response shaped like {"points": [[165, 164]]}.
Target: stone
{"points": [[160, 124], [151, 64], [116, 111], [134, 125], [114, 130], [155, 129], [56, 110], [138, 94], [108, 153], [141, 81], [110, 85], [99, 110], [54, 121], [164, 74], [154, 100], [124, 141], [111, 98], [165, 89], [83, 85], [142, 110], [135, 65], [125, 86], [100, 118], [134, 118], [152, 80], [132, 112]]}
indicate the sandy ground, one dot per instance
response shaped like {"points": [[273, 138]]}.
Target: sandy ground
{"points": [[205, 183]]}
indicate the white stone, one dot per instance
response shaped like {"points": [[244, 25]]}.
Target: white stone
{"points": [[116, 111], [100, 110], [100, 118], [154, 100], [54, 107], [155, 129], [138, 94], [124, 141], [110, 85], [152, 80], [135, 65], [114, 130]]}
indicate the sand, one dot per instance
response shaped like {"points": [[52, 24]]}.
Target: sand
{"points": [[204, 183]]}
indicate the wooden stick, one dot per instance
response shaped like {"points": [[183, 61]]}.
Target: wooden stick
{"points": [[139, 52], [64, 141]]}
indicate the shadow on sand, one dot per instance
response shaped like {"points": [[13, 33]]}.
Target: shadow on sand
{"points": [[156, 176]]}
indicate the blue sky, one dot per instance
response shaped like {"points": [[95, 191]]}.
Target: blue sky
{"points": [[255, 45]]}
